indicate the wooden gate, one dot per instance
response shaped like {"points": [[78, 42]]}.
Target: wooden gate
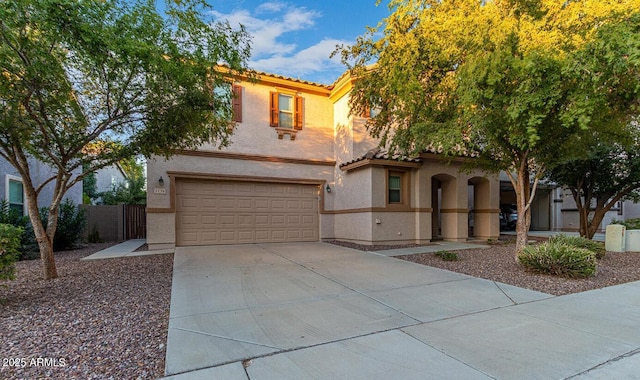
{"points": [[135, 222]]}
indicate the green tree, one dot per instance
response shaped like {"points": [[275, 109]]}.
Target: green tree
{"points": [[132, 190], [96, 81], [608, 175], [609, 76], [89, 186], [495, 80]]}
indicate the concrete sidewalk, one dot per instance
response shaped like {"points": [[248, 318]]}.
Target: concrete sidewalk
{"points": [[126, 248], [315, 310]]}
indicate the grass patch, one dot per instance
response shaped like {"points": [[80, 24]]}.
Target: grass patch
{"points": [[447, 255]]}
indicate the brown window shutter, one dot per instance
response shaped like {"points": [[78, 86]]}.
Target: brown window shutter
{"points": [[237, 103], [299, 113], [273, 104]]}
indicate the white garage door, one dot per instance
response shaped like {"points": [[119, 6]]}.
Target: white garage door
{"points": [[232, 212]]}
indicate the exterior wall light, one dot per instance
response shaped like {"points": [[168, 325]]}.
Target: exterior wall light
{"points": [[328, 188], [161, 181]]}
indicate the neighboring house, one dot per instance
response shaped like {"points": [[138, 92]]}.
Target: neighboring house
{"points": [[109, 177], [12, 188], [299, 168], [553, 208]]}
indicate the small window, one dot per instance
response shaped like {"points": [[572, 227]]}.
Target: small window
{"points": [[229, 94], [395, 188], [370, 112], [16, 195], [286, 111]]}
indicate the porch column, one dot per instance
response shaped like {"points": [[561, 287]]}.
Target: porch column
{"points": [[487, 208], [455, 211]]}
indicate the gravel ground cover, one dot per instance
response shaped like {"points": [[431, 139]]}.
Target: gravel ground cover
{"points": [[102, 319], [497, 263]]}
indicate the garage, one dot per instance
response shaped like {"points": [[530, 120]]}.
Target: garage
{"points": [[234, 212]]}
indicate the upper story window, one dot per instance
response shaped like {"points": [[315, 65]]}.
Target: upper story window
{"points": [[370, 112], [231, 93], [15, 194], [286, 111]]}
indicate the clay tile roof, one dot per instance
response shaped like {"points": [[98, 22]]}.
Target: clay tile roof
{"points": [[380, 154], [297, 80]]}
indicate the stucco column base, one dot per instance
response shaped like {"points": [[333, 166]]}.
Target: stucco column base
{"points": [[486, 225], [455, 226]]}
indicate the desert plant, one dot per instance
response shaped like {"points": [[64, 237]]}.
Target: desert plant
{"points": [[559, 258], [447, 255], [578, 241], [9, 250], [71, 225]]}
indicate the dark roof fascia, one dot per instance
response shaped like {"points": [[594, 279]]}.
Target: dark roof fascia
{"points": [[379, 162]]}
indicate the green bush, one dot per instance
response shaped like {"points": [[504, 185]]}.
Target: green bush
{"points": [[28, 245], [559, 258], [9, 250], [94, 235], [630, 224], [447, 255], [71, 225], [581, 242]]}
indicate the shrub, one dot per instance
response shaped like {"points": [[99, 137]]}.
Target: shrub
{"points": [[9, 250], [447, 255], [559, 258], [581, 242], [630, 224], [71, 225], [28, 245], [94, 235]]}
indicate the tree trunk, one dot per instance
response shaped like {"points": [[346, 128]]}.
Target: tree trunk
{"points": [[522, 188], [45, 242]]}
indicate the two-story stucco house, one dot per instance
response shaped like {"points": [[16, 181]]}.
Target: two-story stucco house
{"points": [[300, 168]]}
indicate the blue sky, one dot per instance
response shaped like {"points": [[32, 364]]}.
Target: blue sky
{"points": [[296, 38]]}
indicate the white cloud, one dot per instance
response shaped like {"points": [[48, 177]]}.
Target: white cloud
{"points": [[266, 32], [270, 7], [314, 59], [270, 25]]}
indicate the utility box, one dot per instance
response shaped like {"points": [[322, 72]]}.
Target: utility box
{"points": [[615, 239], [632, 241]]}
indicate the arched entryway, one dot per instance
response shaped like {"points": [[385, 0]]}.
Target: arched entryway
{"points": [[480, 212], [446, 206]]}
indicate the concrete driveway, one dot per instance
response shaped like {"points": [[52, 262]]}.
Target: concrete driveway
{"points": [[319, 311]]}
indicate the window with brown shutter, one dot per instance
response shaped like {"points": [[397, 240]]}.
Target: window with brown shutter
{"points": [[236, 102], [286, 111], [273, 113], [298, 118]]}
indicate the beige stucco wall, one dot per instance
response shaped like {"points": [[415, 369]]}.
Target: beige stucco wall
{"points": [[255, 136], [373, 222]]}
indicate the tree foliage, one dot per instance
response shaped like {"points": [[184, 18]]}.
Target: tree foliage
{"points": [[98, 80], [610, 173], [132, 190], [504, 81]]}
